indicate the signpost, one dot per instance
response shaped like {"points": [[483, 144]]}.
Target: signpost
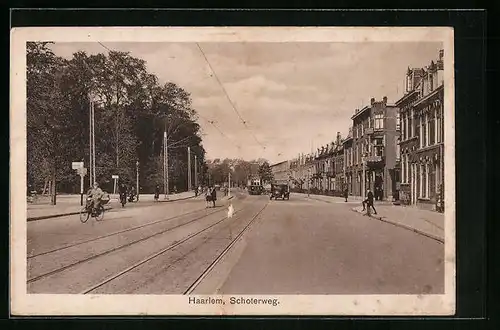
{"points": [[115, 181], [82, 171]]}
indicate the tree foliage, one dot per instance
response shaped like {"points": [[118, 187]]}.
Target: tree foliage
{"points": [[265, 173], [132, 111], [241, 170]]}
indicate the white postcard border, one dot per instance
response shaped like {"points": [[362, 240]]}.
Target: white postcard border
{"points": [[47, 304]]}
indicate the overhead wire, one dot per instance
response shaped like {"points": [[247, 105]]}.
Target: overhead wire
{"points": [[211, 122], [228, 98]]}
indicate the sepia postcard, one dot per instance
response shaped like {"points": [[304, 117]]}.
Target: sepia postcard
{"points": [[232, 171]]}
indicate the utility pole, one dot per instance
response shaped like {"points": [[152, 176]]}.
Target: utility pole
{"points": [[165, 165], [93, 143], [137, 178], [195, 171], [189, 168], [90, 143], [229, 184]]}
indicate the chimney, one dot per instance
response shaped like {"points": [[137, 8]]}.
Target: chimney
{"points": [[372, 100]]}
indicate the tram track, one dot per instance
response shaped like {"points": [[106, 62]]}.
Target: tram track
{"points": [[68, 246], [233, 242], [178, 244], [122, 246]]}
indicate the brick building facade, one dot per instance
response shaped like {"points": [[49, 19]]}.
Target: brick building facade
{"points": [[371, 150], [422, 138]]}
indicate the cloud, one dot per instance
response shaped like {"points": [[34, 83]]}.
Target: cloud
{"points": [[291, 95]]}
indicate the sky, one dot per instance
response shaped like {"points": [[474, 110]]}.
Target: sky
{"points": [[293, 97]]}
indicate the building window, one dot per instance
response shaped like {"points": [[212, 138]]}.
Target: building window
{"points": [[424, 181], [431, 82], [418, 122], [416, 127], [403, 169], [438, 127], [409, 127], [432, 182], [427, 180], [407, 169], [432, 130], [404, 128], [379, 121], [418, 179], [424, 131], [398, 121]]}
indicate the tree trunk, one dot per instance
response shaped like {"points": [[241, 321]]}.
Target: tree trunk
{"points": [[45, 186], [53, 186]]}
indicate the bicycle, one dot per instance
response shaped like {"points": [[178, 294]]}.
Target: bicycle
{"points": [[86, 212]]}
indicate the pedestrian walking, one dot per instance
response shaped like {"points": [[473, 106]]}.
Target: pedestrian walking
{"points": [[157, 193], [213, 196], [208, 197], [346, 194], [368, 202]]}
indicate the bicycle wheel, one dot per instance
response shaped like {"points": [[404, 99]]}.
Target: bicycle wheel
{"points": [[84, 215], [100, 213]]}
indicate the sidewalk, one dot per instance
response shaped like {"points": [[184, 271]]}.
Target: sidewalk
{"points": [[332, 199], [427, 223], [70, 205]]}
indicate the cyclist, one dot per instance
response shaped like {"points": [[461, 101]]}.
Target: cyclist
{"points": [[95, 194], [123, 193]]}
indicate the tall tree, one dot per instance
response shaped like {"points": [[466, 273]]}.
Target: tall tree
{"points": [[265, 172], [131, 110], [49, 134]]}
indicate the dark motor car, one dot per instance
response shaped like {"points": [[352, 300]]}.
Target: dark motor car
{"points": [[280, 191]]}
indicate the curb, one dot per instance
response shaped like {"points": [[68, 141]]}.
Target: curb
{"points": [[358, 201], [175, 200], [397, 224], [43, 217]]}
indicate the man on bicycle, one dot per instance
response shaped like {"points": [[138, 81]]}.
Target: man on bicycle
{"points": [[122, 190], [95, 193]]}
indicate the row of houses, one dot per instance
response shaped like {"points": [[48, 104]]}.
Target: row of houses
{"points": [[394, 149]]}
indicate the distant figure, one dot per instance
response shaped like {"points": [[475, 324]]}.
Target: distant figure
{"points": [[208, 197], [157, 192], [230, 211], [346, 194], [213, 195]]}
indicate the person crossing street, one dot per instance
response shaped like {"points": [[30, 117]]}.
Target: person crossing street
{"points": [[368, 202]]}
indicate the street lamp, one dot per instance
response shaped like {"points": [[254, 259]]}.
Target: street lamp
{"points": [[137, 178]]}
